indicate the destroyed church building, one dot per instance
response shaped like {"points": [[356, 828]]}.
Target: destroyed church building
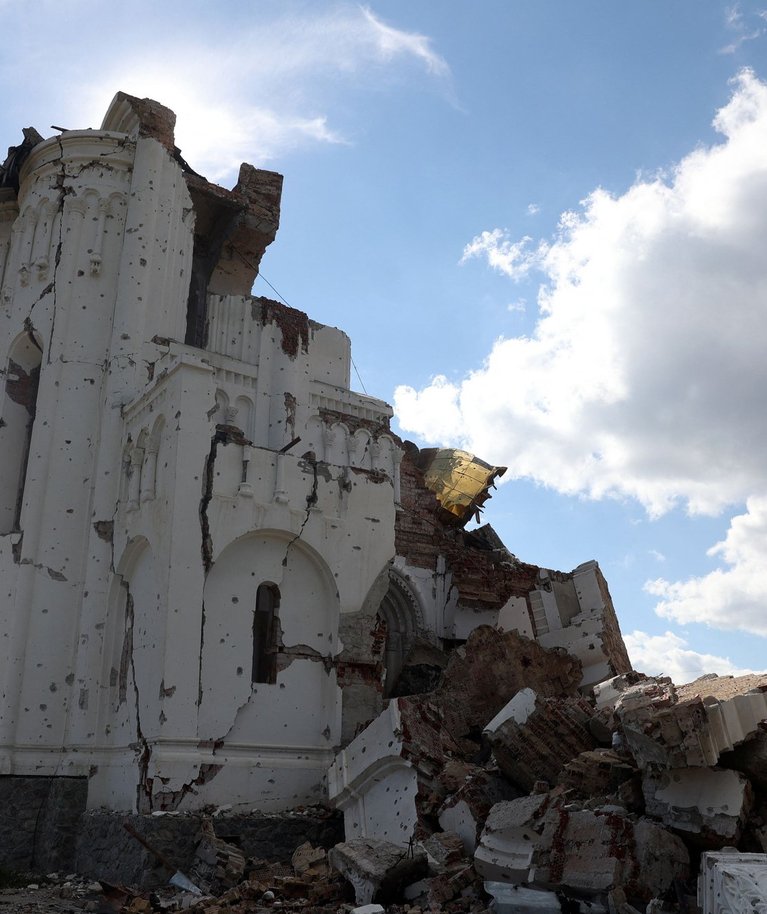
{"points": [[217, 561]]}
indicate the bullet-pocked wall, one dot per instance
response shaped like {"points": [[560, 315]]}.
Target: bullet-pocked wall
{"points": [[201, 594], [193, 498]]}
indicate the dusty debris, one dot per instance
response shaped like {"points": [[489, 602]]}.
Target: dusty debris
{"points": [[310, 861], [218, 865], [617, 835], [178, 878]]}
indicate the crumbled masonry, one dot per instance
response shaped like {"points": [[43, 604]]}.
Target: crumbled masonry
{"points": [[242, 616]]}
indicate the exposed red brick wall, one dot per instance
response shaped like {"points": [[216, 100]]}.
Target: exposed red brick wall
{"points": [[293, 324]]}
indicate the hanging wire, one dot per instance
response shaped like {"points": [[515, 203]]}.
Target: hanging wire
{"points": [[261, 275], [273, 289], [358, 375]]}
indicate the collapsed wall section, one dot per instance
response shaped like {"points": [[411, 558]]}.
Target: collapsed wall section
{"points": [[465, 578]]}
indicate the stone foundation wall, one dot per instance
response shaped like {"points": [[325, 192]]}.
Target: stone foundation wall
{"points": [[39, 821], [106, 851]]}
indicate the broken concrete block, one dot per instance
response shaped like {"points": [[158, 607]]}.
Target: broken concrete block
{"points": [[607, 692], [544, 843], [657, 732], [421, 669], [732, 883], [517, 899], [736, 719], [376, 868], [375, 779], [592, 852], [510, 838], [660, 858], [309, 861], [709, 802], [445, 887], [691, 726], [533, 737]]}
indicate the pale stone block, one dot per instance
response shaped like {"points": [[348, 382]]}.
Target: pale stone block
{"points": [[732, 883], [698, 800]]}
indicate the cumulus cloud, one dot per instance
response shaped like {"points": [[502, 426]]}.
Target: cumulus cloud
{"points": [[731, 597], [645, 373], [669, 655]]}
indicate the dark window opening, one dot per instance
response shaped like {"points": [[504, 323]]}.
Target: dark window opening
{"points": [[264, 634]]}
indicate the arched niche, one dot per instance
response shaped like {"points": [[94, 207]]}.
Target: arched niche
{"points": [[401, 614], [19, 407], [244, 411], [305, 613], [359, 448]]}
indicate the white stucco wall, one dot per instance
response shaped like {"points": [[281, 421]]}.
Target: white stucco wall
{"points": [[128, 589]]}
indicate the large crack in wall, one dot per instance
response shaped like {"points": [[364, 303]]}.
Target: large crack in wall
{"points": [[128, 670]]}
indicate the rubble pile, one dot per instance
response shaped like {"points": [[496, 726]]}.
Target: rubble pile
{"points": [[555, 795], [509, 788]]}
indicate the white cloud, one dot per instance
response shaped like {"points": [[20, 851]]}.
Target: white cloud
{"points": [[392, 42], [730, 597], [438, 401], [533, 209], [645, 374], [514, 258], [670, 655], [733, 17], [658, 556], [735, 22], [248, 93]]}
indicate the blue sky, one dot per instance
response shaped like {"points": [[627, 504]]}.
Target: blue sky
{"points": [[543, 226]]}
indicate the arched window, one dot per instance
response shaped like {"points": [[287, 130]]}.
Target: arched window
{"points": [[265, 634], [19, 402]]}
